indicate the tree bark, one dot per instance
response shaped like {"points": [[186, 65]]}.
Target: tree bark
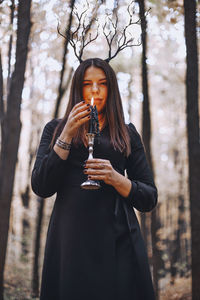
{"points": [[154, 223], [26, 226], [11, 127], [192, 111], [146, 121], [61, 89]]}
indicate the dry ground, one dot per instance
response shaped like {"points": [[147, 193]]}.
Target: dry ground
{"points": [[18, 287]]}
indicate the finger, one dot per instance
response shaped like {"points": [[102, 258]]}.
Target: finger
{"points": [[97, 177], [96, 165], [79, 113], [98, 160], [83, 120], [82, 114], [94, 172], [79, 108], [79, 104]]}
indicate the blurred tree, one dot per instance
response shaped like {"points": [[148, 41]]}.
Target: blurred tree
{"points": [[177, 247], [61, 88], [11, 127], [146, 135], [192, 110], [146, 122]]}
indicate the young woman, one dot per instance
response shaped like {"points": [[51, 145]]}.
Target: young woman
{"points": [[94, 247]]}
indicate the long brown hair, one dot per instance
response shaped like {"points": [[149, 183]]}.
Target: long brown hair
{"points": [[114, 111]]}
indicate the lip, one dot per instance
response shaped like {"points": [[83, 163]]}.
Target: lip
{"points": [[98, 99]]}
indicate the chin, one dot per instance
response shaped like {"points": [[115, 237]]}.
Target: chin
{"points": [[101, 110]]}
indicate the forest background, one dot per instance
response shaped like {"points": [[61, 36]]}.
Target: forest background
{"points": [[158, 81]]}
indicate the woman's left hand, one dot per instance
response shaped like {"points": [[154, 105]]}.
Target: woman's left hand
{"points": [[100, 169]]}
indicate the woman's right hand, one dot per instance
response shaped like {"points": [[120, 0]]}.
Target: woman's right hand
{"points": [[79, 115]]}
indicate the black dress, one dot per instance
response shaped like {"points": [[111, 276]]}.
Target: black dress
{"points": [[89, 251]]}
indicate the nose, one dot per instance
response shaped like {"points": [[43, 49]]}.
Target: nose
{"points": [[95, 87]]}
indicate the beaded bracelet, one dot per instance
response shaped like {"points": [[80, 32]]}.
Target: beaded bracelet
{"points": [[63, 145]]}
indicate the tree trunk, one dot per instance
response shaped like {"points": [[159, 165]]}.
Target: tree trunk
{"points": [[61, 89], [182, 225], [146, 122], [154, 223], [11, 127], [192, 111], [25, 195], [26, 227]]}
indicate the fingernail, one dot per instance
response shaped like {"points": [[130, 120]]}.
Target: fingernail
{"points": [[89, 117], [84, 171], [88, 109], [89, 177], [88, 104]]}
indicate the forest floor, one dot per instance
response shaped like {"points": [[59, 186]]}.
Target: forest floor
{"points": [[17, 287], [180, 290]]}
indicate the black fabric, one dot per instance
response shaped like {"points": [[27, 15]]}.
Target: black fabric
{"points": [[94, 248], [125, 259]]}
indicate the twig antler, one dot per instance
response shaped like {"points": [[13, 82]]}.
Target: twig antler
{"points": [[122, 42], [80, 34]]}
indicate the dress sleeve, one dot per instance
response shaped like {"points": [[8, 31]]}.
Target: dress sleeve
{"points": [[143, 193], [49, 168]]}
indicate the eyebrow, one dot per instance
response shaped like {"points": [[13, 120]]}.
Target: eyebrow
{"points": [[91, 80]]}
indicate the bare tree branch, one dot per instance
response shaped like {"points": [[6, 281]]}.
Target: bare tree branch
{"points": [[79, 38], [80, 34], [122, 42]]}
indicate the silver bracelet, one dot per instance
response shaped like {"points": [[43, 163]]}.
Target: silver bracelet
{"points": [[63, 145]]}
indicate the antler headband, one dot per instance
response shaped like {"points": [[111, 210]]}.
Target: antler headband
{"points": [[82, 34]]}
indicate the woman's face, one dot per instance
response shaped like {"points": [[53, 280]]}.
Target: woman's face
{"points": [[95, 85]]}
